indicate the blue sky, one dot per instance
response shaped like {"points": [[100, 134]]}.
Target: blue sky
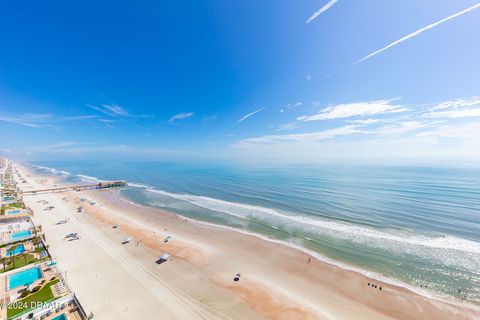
{"points": [[271, 80]]}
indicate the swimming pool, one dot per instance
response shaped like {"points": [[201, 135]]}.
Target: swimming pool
{"points": [[24, 278], [20, 235], [16, 251], [60, 317]]}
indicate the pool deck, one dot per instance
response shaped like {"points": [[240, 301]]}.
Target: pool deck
{"points": [[28, 248], [11, 295], [28, 234], [14, 226], [70, 312]]}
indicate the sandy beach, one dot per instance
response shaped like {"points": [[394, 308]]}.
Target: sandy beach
{"points": [[122, 281]]}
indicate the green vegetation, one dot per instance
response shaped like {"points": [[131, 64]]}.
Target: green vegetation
{"points": [[14, 205], [5, 207], [23, 259], [16, 262], [32, 301], [13, 242]]}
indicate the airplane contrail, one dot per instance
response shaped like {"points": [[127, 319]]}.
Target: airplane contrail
{"points": [[322, 10], [419, 31]]}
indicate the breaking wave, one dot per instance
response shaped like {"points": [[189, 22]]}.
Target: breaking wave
{"points": [[85, 178], [52, 170], [445, 248]]}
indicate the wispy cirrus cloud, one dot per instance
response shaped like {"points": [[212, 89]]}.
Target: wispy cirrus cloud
{"points": [[181, 116], [417, 32], [107, 120], [458, 108], [347, 110], [75, 118], [112, 110], [245, 117], [31, 120], [464, 113], [288, 126], [52, 147], [41, 120], [400, 128], [446, 130], [469, 130], [457, 103], [117, 114], [406, 142], [299, 137], [364, 122], [327, 6], [74, 148]]}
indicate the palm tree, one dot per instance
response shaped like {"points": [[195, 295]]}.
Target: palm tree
{"points": [[35, 240], [9, 261], [24, 255], [12, 249], [35, 232], [4, 262]]}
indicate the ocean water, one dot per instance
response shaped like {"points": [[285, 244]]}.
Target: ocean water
{"points": [[417, 225]]}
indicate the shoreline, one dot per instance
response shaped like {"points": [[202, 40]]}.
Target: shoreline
{"points": [[285, 248], [320, 257], [443, 297], [317, 255]]}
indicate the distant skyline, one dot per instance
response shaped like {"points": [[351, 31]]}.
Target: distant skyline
{"points": [[269, 81]]}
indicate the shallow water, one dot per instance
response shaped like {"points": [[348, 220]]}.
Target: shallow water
{"points": [[416, 224]]}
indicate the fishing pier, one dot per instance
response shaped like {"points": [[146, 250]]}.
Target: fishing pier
{"points": [[95, 186]]}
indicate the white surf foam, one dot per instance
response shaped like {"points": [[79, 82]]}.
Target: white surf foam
{"points": [[391, 239], [52, 170], [88, 178], [345, 266], [63, 173], [138, 185]]}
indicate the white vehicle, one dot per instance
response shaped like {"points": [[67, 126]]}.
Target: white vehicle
{"points": [[76, 237], [127, 240], [163, 258]]}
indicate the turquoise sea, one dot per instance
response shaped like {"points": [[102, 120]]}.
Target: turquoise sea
{"points": [[417, 225]]}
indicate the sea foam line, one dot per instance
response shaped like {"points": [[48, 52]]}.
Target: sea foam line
{"points": [[342, 265], [331, 228], [138, 185], [52, 170], [89, 178]]}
